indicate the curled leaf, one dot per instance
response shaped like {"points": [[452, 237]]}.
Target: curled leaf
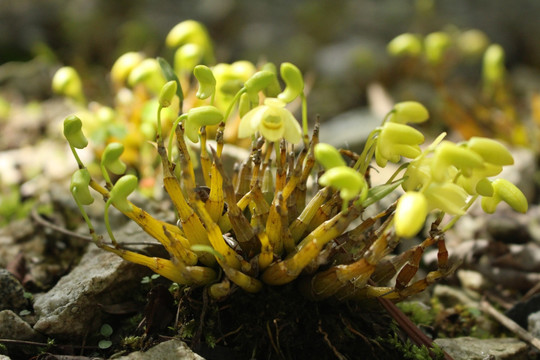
{"points": [[187, 57], [396, 140], [73, 132], [294, 82], [259, 81], [505, 191], [405, 44], [348, 181], [328, 156], [493, 64], [123, 66], [273, 89], [409, 112], [436, 45], [66, 81], [111, 158], [80, 180], [207, 81], [201, 116], [491, 150], [121, 190]]}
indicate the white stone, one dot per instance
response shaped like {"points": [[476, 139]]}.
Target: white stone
{"points": [[172, 349]]}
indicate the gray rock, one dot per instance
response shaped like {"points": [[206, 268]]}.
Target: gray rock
{"points": [[172, 349], [11, 292], [71, 309], [4, 357], [349, 130], [468, 348], [13, 327], [19, 230], [524, 257], [506, 227]]}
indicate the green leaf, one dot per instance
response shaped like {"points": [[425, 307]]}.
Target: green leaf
{"points": [[170, 75], [104, 344], [379, 192], [208, 249], [106, 330]]}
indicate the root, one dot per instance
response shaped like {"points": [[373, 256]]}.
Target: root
{"points": [[339, 355]]}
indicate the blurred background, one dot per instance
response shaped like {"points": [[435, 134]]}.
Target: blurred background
{"points": [[341, 43]]}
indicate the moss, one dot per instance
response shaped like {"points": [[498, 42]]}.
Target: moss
{"points": [[417, 312], [408, 350]]}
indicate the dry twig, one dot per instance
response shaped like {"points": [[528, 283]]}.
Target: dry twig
{"points": [[43, 222], [510, 324]]}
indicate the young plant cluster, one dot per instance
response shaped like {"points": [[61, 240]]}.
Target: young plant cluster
{"points": [[295, 209], [439, 57]]}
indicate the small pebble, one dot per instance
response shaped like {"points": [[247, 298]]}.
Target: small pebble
{"points": [[11, 292], [534, 324], [471, 279], [13, 327]]}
